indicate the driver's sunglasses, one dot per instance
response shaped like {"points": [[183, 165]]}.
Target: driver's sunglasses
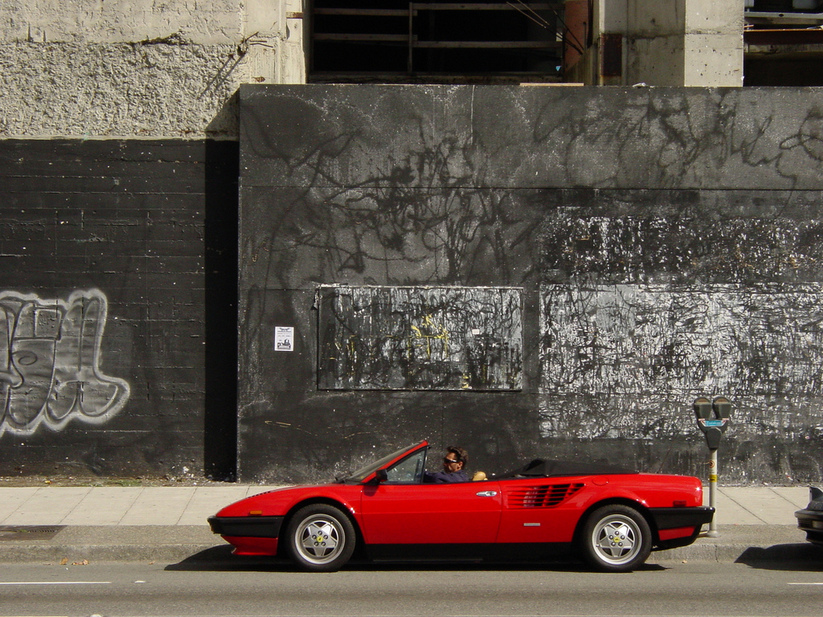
{"points": [[449, 461]]}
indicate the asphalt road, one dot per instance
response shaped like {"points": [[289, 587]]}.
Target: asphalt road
{"points": [[260, 588]]}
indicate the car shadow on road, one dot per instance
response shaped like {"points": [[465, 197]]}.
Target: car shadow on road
{"points": [[221, 559], [790, 557]]}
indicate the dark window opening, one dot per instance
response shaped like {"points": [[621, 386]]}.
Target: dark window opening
{"points": [[783, 43], [408, 42]]}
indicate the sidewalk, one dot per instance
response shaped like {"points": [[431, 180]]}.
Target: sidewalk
{"points": [[168, 524]]}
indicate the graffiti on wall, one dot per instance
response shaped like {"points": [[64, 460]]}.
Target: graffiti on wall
{"points": [[441, 338], [635, 356], [50, 363]]}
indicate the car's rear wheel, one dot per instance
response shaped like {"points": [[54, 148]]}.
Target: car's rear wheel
{"points": [[616, 538], [320, 538]]}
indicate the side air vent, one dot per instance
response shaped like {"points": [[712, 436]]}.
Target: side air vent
{"points": [[542, 496]]}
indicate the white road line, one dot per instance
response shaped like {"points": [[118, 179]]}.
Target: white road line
{"points": [[56, 583], [804, 583]]}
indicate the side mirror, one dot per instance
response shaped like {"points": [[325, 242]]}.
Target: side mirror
{"points": [[381, 475]]}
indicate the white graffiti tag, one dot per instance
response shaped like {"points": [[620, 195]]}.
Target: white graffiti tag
{"points": [[49, 363]]}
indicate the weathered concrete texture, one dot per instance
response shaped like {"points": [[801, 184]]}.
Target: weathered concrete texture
{"points": [[667, 242], [136, 90], [139, 68], [405, 138], [212, 22]]}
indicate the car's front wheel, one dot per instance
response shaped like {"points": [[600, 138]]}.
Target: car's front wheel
{"points": [[616, 538], [320, 538]]}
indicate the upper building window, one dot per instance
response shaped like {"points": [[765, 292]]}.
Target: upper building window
{"points": [[784, 12], [783, 43], [435, 41]]}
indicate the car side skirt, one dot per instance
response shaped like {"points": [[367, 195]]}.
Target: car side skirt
{"points": [[526, 552]]}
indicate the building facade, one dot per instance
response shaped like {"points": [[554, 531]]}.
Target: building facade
{"points": [[212, 267]]}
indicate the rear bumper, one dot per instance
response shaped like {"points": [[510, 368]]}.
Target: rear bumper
{"points": [[674, 518], [678, 527], [247, 526]]}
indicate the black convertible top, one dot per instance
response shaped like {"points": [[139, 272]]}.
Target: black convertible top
{"points": [[541, 468]]}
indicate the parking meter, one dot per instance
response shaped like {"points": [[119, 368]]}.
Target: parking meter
{"points": [[713, 418]]}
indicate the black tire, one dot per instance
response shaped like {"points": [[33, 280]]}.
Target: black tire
{"points": [[616, 538], [320, 538]]}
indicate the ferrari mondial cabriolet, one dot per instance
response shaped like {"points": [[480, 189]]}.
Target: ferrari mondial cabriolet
{"points": [[612, 517]]}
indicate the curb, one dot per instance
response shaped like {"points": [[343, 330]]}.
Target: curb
{"points": [[80, 545], [84, 544]]}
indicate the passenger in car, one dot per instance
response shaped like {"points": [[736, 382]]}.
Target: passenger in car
{"points": [[454, 464]]}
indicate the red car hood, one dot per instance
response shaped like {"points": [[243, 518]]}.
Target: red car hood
{"points": [[279, 501]]}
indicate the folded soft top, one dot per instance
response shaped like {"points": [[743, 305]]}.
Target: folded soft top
{"points": [[541, 468]]}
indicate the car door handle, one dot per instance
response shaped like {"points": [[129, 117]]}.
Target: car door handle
{"points": [[487, 493]]}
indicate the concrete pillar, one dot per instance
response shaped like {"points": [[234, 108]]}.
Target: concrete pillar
{"points": [[578, 26], [658, 42], [713, 43], [274, 42], [685, 43]]}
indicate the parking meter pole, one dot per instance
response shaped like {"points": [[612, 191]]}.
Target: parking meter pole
{"points": [[713, 533], [713, 419]]}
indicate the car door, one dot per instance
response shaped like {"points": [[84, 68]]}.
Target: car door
{"points": [[540, 510], [458, 513]]}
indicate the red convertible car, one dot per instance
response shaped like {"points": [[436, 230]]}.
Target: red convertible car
{"points": [[613, 517]]}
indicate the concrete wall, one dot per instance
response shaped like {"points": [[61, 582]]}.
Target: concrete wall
{"points": [[663, 242], [140, 68]]}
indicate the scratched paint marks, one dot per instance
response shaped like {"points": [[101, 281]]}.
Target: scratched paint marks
{"points": [[420, 338], [50, 363], [627, 360], [684, 245]]}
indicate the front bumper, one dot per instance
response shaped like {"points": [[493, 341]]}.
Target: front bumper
{"points": [[247, 526], [811, 521]]}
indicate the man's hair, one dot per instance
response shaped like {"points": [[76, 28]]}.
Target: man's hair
{"points": [[460, 453]]}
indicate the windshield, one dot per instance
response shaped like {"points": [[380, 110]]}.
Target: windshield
{"points": [[364, 472]]}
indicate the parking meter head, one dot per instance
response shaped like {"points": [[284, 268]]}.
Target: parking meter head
{"points": [[702, 408], [713, 435], [722, 408]]}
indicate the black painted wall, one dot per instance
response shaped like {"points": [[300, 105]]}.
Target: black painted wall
{"points": [[647, 246], [117, 288], [665, 244]]}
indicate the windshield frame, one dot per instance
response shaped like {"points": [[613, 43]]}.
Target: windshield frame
{"points": [[365, 473]]}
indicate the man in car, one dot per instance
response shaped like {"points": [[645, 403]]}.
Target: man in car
{"points": [[454, 464]]}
